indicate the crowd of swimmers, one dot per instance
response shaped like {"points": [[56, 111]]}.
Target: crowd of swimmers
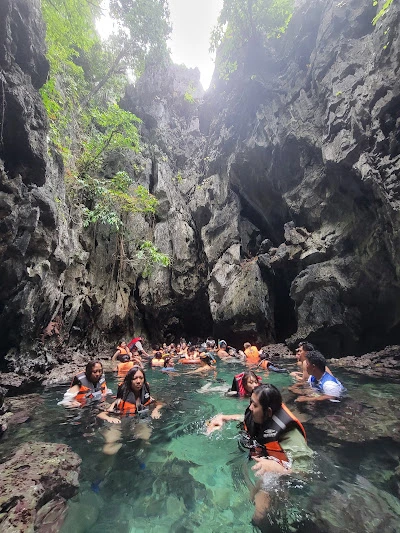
{"points": [[272, 434]]}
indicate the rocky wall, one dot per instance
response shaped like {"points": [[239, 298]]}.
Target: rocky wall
{"points": [[289, 183]]}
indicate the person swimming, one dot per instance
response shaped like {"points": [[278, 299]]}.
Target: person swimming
{"points": [[244, 383], [274, 438]]}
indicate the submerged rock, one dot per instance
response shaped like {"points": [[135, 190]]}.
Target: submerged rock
{"points": [[358, 507], [35, 484]]}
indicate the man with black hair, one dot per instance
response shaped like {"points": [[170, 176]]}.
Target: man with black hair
{"points": [[301, 352], [321, 381]]}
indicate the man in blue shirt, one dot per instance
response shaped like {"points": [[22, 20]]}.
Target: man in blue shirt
{"points": [[326, 385]]}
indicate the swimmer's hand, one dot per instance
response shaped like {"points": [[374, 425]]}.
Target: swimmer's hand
{"points": [[218, 421], [156, 414], [110, 419], [72, 404], [215, 423], [264, 465]]}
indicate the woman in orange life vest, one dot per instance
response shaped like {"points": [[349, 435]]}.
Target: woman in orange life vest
{"points": [[274, 437], [122, 349], [86, 387], [133, 397], [157, 359]]}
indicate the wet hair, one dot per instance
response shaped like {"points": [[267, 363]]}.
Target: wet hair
{"points": [[125, 358], [222, 343], [307, 346], [316, 358], [125, 388], [158, 355], [268, 396], [89, 367], [206, 358], [246, 345], [247, 376]]}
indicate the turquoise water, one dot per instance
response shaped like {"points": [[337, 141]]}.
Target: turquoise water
{"points": [[178, 479]]}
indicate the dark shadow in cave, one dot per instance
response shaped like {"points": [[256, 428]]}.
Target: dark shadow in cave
{"points": [[284, 308]]}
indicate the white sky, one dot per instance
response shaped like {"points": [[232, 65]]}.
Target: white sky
{"points": [[192, 22]]}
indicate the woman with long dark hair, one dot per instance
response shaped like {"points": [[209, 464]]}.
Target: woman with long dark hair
{"points": [[274, 437], [133, 397], [87, 387]]}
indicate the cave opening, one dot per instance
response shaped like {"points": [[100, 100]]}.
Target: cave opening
{"points": [[284, 308]]}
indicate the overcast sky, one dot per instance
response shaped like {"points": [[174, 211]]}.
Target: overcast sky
{"points": [[192, 22]]}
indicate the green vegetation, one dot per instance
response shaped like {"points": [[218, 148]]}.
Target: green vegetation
{"points": [[245, 22], [189, 94], [87, 79], [382, 11], [150, 255]]}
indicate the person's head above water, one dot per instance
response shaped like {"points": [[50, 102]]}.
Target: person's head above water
{"points": [[316, 363], [250, 381], [134, 380], [265, 401], [222, 344], [303, 349], [94, 371], [206, 359]]}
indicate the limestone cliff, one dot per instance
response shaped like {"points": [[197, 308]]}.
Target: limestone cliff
{"points": [[278, 196], [288, 197]]}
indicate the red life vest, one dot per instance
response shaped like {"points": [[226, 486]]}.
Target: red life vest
{"points": [[133, 342], [237, 384], [264, 441]]}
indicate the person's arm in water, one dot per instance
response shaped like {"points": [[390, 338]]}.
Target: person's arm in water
{"points": [[218, 421], [300, 388], [330, 391], [69, 397], [105, 416], [156, 412], [314, 397]]}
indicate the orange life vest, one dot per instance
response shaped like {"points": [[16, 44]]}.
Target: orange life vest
{"points": [[252, 355], [129, 407], [122, 350], [264, 441], [87, 390], [123, 368]]}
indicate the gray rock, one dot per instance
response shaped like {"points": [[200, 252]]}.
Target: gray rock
{"points": [[36, 482]]}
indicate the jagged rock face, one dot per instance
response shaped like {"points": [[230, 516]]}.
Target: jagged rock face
{"points": [[301, 148], [277, 189]]}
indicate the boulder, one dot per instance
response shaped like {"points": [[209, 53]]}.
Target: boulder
{"points": [[36, 483]]}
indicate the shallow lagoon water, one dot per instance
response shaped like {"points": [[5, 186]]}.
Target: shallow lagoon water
{"points": [[180, 480]]}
